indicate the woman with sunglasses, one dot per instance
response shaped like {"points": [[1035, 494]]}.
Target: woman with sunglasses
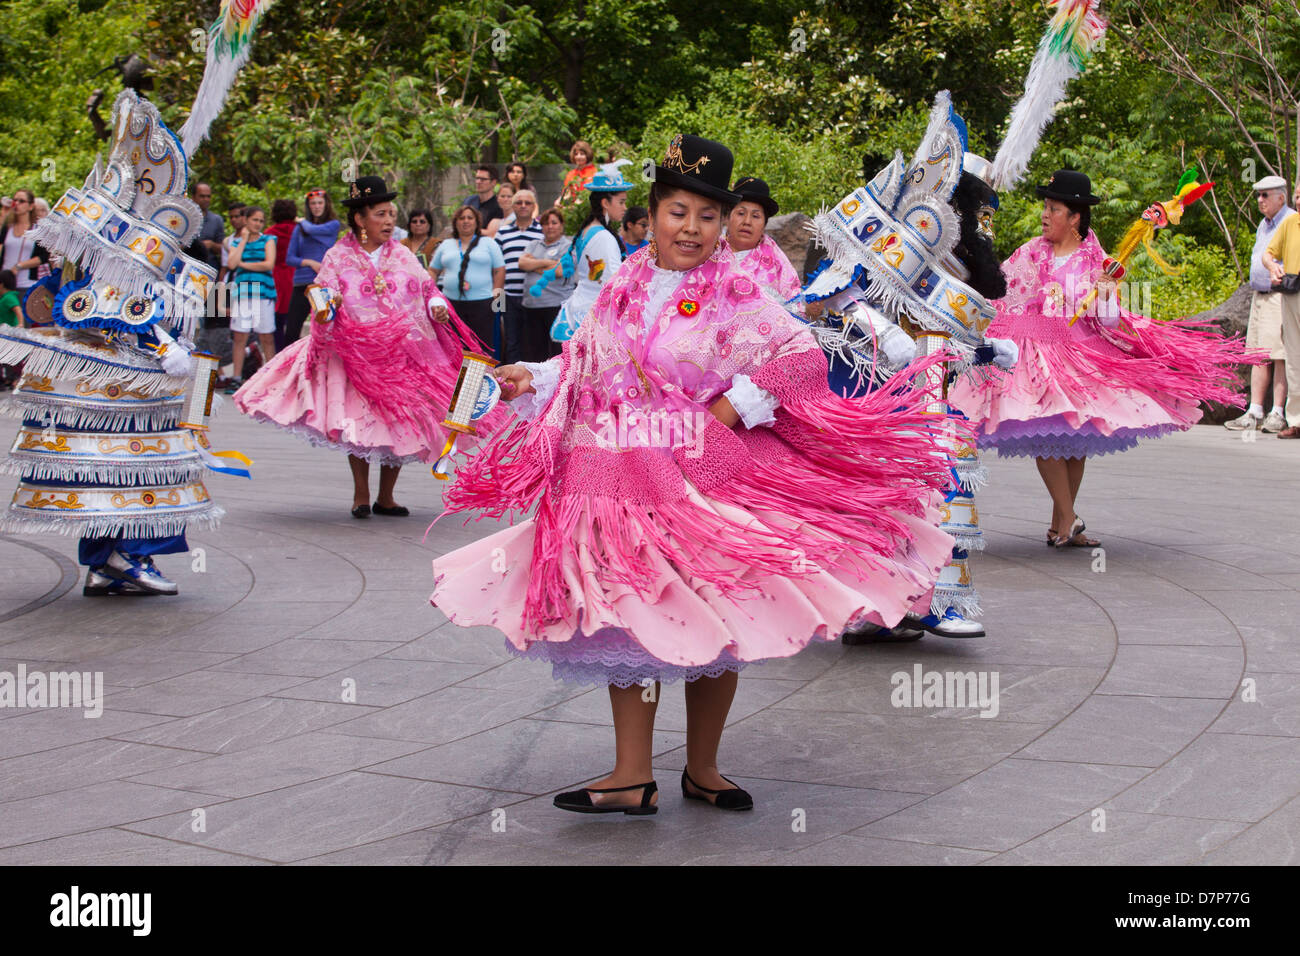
{"points": [[22, 256], [420, 239], [315, 236]]}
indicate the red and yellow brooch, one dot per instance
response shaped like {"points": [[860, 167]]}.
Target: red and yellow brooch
{"points": [[688, 307]]}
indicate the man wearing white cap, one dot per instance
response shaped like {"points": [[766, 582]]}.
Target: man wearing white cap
{"points": [[1265, 328]]}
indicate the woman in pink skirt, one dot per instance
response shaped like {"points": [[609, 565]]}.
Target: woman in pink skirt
{"points": [[703, 501], [377, 380], [1095, 386]]}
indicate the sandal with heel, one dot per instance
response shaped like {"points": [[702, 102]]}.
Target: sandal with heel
{"points": [[1077, 528], [579, 801]]}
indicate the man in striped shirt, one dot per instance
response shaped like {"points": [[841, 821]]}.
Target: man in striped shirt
{"points": [[514, 238]]}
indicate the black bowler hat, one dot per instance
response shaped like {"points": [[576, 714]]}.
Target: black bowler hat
{"points": [[1070, 186], [368, 191], [698, 165], [752, 189]]}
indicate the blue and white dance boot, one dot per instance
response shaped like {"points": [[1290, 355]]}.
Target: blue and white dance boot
{"points": [[99, 584], [952, 623], [140, 572]]}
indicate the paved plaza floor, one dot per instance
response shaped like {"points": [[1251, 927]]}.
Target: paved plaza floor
{"points": [[1148, 710]]}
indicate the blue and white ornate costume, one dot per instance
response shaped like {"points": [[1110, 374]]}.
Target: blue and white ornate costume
{"points": [[101, 452]]}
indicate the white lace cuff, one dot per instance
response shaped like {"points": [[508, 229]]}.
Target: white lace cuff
{"points": [[436, 301], [546, 379], [754, 405]]}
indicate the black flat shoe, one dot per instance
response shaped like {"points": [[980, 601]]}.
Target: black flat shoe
{"points": [[579, 801], [722, 799], [395, 512], [361, 511]]}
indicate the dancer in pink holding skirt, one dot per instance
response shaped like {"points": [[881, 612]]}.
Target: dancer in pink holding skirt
{"points": [[703, 501], [377, 379]]}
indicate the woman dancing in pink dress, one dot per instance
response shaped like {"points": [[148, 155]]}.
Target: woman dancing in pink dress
{"points": [[378, 379], [1096, 385], [703, 501]]}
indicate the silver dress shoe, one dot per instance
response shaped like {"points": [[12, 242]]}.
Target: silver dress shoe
{"points": [[99, 584], [951, 624], [1273, 422], [140, 572], [1244, 422]]}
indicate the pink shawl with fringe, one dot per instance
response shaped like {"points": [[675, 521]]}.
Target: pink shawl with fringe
{"points": [[627, 446], [1171, 361], [401, 361], [768, 265]]}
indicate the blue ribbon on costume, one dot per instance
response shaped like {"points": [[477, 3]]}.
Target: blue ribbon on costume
{"points": [[214, 462]]}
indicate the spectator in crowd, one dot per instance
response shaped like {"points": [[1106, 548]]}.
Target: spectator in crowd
{"points": [[1265, 328], [1282, 258], [540, 309], [514, 239], [313, 237], [505, 198], [597, 249], [471, 271], [11, 313], [517, 176], [41, 209], [420, 239], [284, 220], [213, 230], [22, 256], [583, 158], [236, 214], [636, 223], [484, 199], [252, 309]]}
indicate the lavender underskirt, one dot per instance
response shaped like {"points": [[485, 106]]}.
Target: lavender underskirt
{"points": [[1054, 437], [612, 656]]}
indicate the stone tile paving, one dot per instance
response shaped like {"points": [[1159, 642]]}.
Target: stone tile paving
{"points": [[300, 701]]}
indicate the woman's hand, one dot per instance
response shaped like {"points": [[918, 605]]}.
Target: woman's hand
{"points": [[440, 314], [515, 380], [311, 264], [725, 412]]}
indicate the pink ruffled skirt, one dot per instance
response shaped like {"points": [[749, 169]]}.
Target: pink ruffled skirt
{"points": [[1073, 394], [312, 397], [686, 629]]}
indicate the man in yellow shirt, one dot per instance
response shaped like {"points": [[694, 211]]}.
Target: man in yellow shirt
{"points": [[1281, 258]]}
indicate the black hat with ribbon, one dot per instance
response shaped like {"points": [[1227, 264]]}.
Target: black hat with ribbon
{"points": [[1069, 186], [698, 165], [753, 189], [367, 191]]}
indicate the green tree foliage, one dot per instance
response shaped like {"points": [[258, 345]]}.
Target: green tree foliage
{"points": [[808, 93], [53, 52]]}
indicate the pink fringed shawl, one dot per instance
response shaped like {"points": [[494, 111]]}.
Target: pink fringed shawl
{"points": [[403, 364], [1172, 362], [629, 425], [767, 265]]}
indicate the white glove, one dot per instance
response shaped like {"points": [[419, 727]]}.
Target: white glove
{"points": [[174, 358], [1005, 352]]}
